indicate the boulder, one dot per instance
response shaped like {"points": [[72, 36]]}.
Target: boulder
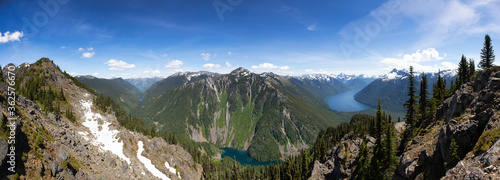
{"points": [[63, 155]]}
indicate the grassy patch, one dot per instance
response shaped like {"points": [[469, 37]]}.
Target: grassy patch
{"points": [[243, 124], [459, 117], [487, 140], [222, 108]]}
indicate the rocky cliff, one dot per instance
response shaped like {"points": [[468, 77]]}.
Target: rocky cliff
{"points": [[470, 118]]}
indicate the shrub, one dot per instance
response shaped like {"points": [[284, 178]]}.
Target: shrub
{"points": [[486, 140]]}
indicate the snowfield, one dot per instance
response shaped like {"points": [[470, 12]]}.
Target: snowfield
{"points": [[151, 168], [100, 134]]}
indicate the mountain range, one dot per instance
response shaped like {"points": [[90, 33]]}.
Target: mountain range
{"points": [[229, 110], [269, 115], [233, 110], [67, 128]]}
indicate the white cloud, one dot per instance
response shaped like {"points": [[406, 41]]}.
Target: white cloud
{"points": [[311, 27], [265, 66], [118, 65], [63, 47], [164, 55], [284, 68], [88, 54], [424, 60], [211, 66], [115, 69], [448, 65], [229, 53], [309, 70], [228, 64], [96, 74], [174, 64], [215, 55], [10, 37], [205, 56], [443, 21], [151, 72]]}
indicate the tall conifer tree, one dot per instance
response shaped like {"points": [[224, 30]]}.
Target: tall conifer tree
{"points": [[463, 71], [423, 102], [487, 55], [411, 102]]}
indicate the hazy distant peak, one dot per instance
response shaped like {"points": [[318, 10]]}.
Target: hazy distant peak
{"points": [[86, 77]]}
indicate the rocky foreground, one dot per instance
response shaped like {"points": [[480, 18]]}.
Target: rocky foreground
{"points": [[470, 117]]}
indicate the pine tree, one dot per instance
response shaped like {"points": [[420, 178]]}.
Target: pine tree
{"points": [[472, 69], [487, 55], [463, 71], [305, 167], [363, 167], [236, 170], [376, 164], [411, 102], [423, 102], [452, 157], [390, 159]]}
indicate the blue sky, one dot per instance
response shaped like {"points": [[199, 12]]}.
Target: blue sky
{"points": [[145, 38]]}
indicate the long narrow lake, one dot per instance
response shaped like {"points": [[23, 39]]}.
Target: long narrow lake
{"points": [[243, 158], [345, 102]]}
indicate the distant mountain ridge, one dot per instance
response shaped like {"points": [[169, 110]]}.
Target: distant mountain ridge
{"points": [[143, 84], [350, 80], [391, 88]]}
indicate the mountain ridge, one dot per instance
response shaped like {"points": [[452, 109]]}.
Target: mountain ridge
{"points": [[63, 133]]}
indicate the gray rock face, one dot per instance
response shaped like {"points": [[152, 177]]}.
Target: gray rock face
{"points": [[63, 155], [484, 166], [340, 161], [4, 148]]}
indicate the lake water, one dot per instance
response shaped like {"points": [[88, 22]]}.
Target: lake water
{"points": [[345, 102], [243, 158]]}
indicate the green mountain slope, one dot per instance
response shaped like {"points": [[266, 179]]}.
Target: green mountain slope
{"points": [[121, 91], [173, 81], [242, 110]]}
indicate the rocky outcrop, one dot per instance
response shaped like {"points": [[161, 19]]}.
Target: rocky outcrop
{"points": [[472, 110], [484, 166], [340, 161]]}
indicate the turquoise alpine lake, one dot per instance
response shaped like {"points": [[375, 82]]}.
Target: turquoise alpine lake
{"points": [[243, 158], [345, 102]]}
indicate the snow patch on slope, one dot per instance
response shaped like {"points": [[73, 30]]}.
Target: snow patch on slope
{"points": [[100, 135], [151, 168], [171, 169]]}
